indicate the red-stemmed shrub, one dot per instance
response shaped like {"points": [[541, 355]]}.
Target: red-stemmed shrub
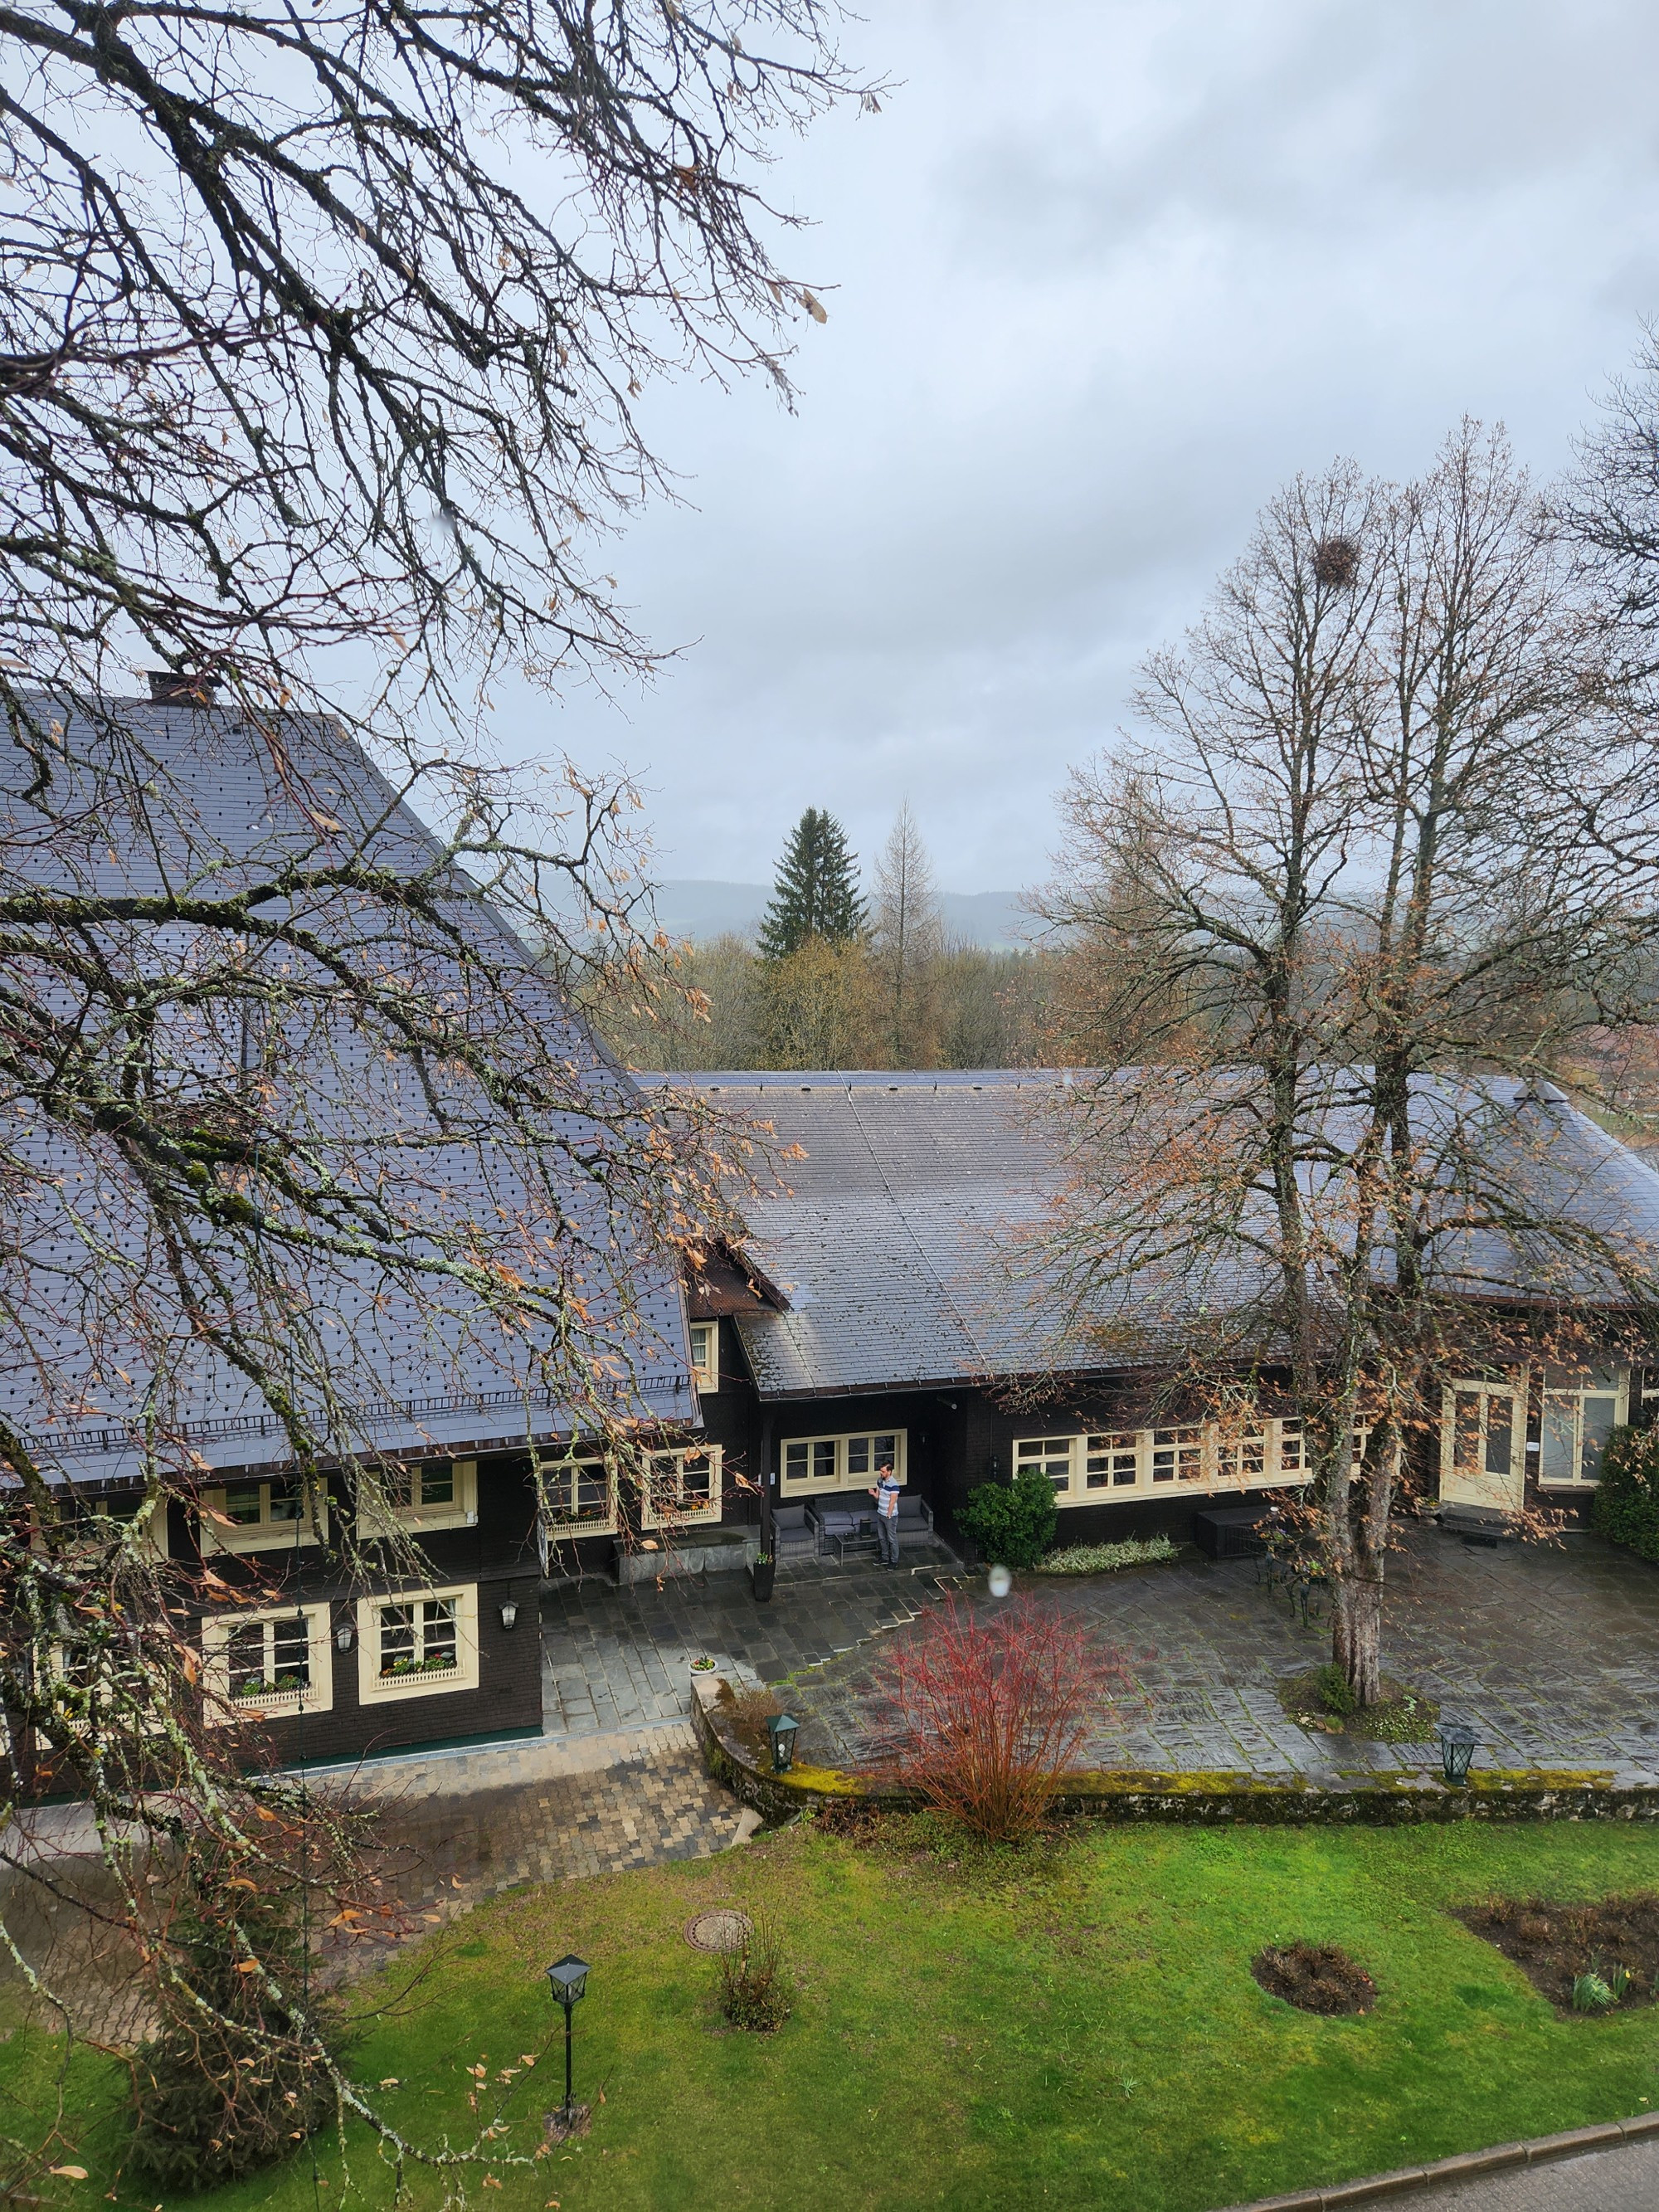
{"points": [[985, 1714]]}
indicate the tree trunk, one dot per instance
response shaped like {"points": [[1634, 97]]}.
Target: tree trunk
{"points": [[1357, 1630]]}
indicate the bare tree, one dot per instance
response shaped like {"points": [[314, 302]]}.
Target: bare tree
{"points": [[701, 1011], [1340, 876], [906, 937], [321, 334], [300, 1147], [324, 327]]}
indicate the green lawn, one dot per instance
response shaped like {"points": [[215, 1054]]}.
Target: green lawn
{"points": [[1087, 2034]]}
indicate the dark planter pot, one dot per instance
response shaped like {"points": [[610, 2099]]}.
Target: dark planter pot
{"points": [[760, 1575]]}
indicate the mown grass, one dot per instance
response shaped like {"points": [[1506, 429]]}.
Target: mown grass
{"points": [[1077, 2029]]}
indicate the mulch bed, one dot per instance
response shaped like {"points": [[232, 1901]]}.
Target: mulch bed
{"points": [[1314, 1977], [854, 1818], [1404, 1715], [1552, 1944]]}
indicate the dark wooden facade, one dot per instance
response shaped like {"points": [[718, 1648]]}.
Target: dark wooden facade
{"points": [[959, 1436]]}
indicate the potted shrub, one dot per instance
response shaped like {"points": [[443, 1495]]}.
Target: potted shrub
{"points": [[761, 1574]]}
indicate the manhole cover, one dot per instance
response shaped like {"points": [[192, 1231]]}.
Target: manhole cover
{"points": [[723, 1930]]}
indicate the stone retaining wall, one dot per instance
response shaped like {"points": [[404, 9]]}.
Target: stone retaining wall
{"points": [[1201, 1799]]}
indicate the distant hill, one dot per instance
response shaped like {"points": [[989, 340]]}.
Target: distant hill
{"points": [[687, 907]]}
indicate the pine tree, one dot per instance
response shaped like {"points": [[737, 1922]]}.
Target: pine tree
{"points": [[816, 892], [232, 2082]]}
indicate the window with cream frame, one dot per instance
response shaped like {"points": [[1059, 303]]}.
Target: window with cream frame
{"points": [[1577, 1419], [705, 1354], [429, 1493], [578, 1496], [680, 1487], [99, 1519], [263, 1514], [809, 1464], [1093, 1469], [417, 1643], [267, 1665], [68, 1677]]}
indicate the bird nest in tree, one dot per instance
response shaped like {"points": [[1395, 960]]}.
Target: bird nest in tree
{"points": [[1336, 563], [1314, 1977]]}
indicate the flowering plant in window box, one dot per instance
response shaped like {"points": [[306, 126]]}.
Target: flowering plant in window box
{"points": [[442, 1662], [279, 1685]]}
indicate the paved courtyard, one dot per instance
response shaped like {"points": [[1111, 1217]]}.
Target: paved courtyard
{"points": [[620, 1658], [1551, 1652]]}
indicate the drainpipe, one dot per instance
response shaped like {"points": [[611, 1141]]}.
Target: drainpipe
{"points": [[768, 1478]]}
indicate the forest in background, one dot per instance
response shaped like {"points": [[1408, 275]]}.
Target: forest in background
{"points": [[837, 978], [833, 978]]}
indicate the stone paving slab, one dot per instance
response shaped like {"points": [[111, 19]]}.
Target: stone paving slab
{"points": [[628, 1652], [1551, 1651]]}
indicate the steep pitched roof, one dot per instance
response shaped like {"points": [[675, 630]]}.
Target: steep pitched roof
{"points": [[888, 1234], [418, 1377]]}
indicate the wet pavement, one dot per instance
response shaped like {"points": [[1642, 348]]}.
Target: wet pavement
{"points": [[1551, 1652]]}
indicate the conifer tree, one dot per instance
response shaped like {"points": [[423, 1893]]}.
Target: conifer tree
{"points": [[908, 938], [815, 891]]}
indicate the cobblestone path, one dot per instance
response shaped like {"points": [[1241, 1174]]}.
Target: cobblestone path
{"points": [[447, 1849]]}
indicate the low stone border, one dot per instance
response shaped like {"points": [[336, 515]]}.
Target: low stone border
{"points": [[1201, 1798], [1468, 2166]]}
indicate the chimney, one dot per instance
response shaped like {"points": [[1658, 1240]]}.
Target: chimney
{"points": [[168, 689]]}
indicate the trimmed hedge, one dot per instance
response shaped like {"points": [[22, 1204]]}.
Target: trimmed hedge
{"points": [[1626, 1506], [1012, 1523]]}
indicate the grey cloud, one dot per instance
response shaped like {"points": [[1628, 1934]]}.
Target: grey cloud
{"points": [[1341, 115], [1094, 299]]}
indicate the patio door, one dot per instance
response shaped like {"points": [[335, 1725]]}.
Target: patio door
{"points": [[1483, 1446]]}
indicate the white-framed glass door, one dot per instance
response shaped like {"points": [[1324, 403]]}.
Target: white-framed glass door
{"points": [[1483, 1446]]}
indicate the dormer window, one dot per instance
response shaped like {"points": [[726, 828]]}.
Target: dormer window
{"points": [[422, 1494], [263, 1515], [705, 1355]]}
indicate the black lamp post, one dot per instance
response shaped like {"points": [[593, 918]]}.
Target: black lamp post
{"points": [[783, 1728], [1458, 1742], [568, 1978]]}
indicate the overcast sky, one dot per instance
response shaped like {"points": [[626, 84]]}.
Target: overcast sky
{"points": [[1099, 276]]}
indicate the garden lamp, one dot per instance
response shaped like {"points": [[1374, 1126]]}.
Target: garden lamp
{"points": [[782, 1728], [1458, 1742], [568, 1978], [999, 1581]]}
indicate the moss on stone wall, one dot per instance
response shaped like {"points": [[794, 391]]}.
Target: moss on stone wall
{"points": [[1203, 1795]]}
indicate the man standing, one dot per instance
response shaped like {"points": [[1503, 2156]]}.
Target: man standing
{"points": [[885, 1491]]}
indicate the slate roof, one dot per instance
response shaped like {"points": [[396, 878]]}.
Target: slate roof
{"points": [[889, 1236], [431, 1378]]}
